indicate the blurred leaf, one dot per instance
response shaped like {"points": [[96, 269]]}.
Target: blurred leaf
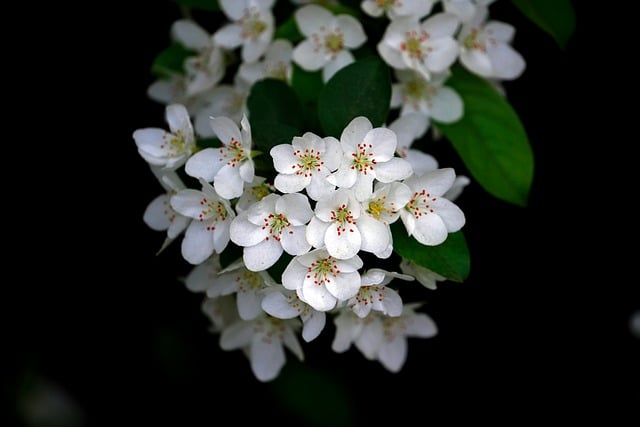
{"points": [[288, 30], [306, 84], [362, 88], [300, 389], [267, 134], [449, 259], [211, 5], [171, 60], [490, 139], [211, 142], [556, 17]]}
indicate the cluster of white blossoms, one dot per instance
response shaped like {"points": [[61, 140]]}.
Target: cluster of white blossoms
{"points": [[331, 200]]}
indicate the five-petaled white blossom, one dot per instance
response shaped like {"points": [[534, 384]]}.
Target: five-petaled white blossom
{"points": [[251, 27], [305, 164], [368, 154], [273, 225], [329, 40], [375, 295], [429, 216], [229, 166], [394, 9], [285, 304], [426, 47], [322, 280], [208, 233], [168, 149]]}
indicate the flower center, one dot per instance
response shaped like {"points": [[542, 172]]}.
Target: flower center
{"points": [[233, 152], [343, 218], [369, 294], [393, 326], [212, 212], [260, 191], [377, 207], [249, 281], [472, 41], [269, 329], [322, 269], [412, 44], [277, 70], [309, 160], [252, 25], [275, 223], [334, 42], [363, 159], [419, 203], [385, 4], [174, 143]]}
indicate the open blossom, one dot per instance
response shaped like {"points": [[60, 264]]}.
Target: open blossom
{"points": [[321, 280], [269, 227], [375, 295], [253, 192], [380, 337], [329, 40], [285, 304], [263, 340], [276, 64], [426, 47], [251, 27], [417, 9], [305, 164], [209, 230], [428, 216], [485, 48], [229, 166], [368, 154], [167, 149]]}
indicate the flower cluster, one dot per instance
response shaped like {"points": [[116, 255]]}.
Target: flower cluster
{"points": [[276, 249]]}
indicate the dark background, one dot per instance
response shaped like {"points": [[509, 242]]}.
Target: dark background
{"points": [[532, 331]]}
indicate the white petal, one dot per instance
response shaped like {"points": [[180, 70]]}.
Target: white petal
{"points": [[438, 181], [319, 187], [284, 161], [343, 286], [507, 63], [295, 207], [221, 235], [350, 265], [306, 56], [311, 18], [441, 25], [354, 133], [318, 297], [291, 183], [370, 340], [227, 182], [341, 60], [500, 31], [430, 230], [316, 231], [395, 169], [190, 34], [157, 213], [393, 354], [477, 62], [291, 342], [363, 187], [150, 140], [450, 213], [384, 142], [391, 56], [375, 234], [203, 276], [416, 9], [371, 8], [293, 275], [345, 176], [421, 163], [313, 325], [245, 233], [409, 127], [234, 9], [253, 49], [443, 55], [267, 358], [187, 202], [225, 129], [263, 255], [422, 326], [352, 31], [346, 330], [197, 244], [248, 305], [294, 240], [204, 164], [229, 36], [392, 303], [178, 119], [447, 106], [278, 305], [236, 336], [345, 244]]}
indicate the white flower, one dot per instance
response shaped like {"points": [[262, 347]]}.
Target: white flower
{"points": [[229, 166], [253, 192], [173, 90], [268, 227], [394, 9], [321, 280], [415, 94], [408, 128], [380, 337], [464, 9], [368, 154], [251, 27], [159, 215], [305, 164], [427, 47], [485, 48], [202, 276], [209, 232], [168, 149], [276, 64], [263, 340], [422, 274], [285, 304], [247, 285], [221, 311], [329, 40], [222, 101], [428, 217], [207, 68], [377, 214], [335, 225], [374, 295]]}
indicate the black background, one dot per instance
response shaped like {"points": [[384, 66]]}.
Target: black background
{"points": [[531, 331]]}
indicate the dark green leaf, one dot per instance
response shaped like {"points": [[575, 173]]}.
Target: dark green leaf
{"points": [[362, 88], [211, 5], [266, 134], [288, 30], [556, 17], [490, 139], [449, 259], [211, 142], [171, 60], [306, 84]]}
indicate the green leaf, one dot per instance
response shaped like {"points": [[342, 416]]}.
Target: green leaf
{"points": [[490, 139], [267, 134], [170, 61], [449, 259], [362, 88], [210, 5], [306, 84], [288, 30], [555, 17]]}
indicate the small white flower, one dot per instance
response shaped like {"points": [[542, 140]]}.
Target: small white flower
{"points": [[269, 227], [251, 27], [394, 9], [253, 192], [305, 164], [427, 47], [329, 40], [263, 340], [375, 295], [414, 94], [485, 48], [209, 232], [285, 304], [248, 286], [168, 149], [422, 274], [321, 280], [428, 217], [276, 64], [229, 166], [368, 154], [464, 9], [222, 101]]}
